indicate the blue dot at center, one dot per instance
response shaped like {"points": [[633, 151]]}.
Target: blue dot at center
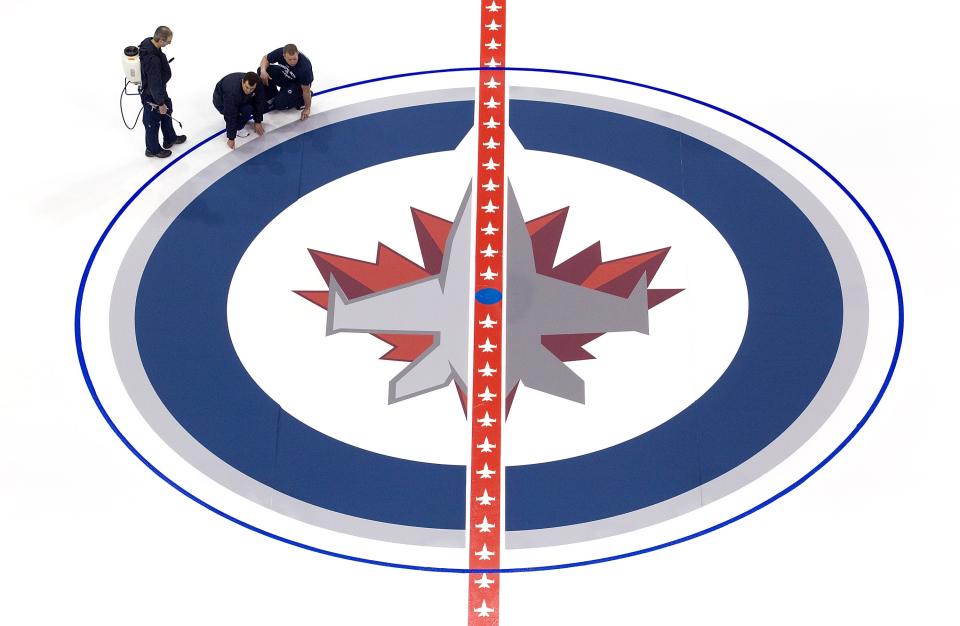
{"points": [[489, 295]]}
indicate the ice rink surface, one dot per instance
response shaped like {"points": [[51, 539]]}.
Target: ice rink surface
{"points": [[89, 535]]}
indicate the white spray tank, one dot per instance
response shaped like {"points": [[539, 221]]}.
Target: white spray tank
{"points": [[131, 64]]}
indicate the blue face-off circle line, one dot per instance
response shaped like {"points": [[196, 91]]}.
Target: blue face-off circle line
{"points": [[804, 478]]}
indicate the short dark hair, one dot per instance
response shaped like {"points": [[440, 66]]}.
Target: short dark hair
{"points": [[250, 78], [290, 48], [163, 33]]}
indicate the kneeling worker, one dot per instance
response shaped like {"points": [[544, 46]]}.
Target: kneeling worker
{"points": [[238, 97], [287, 74]]}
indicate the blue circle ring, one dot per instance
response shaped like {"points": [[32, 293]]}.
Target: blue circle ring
{"points": [[847, 439], [790, 342]]}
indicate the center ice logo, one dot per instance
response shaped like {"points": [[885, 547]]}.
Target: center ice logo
{"points": [[268, 397]]}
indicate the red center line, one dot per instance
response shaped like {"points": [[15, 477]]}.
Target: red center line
{"points": [[486, 406]]}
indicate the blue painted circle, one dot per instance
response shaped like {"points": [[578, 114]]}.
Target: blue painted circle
{"points": [[794, 296], [160, 269], [488, 295]]}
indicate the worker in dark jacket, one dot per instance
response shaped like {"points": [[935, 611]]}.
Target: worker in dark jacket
{"points": [[157, 105], [287, 74], [238, 97]]}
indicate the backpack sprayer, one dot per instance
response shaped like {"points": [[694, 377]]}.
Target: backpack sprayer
{"points": [[131, 71]]}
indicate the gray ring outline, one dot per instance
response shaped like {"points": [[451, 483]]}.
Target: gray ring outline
{"points": [[133, 377]]}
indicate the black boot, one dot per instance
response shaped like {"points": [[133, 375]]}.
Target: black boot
{"points": [[178, 140], [160, 155]]}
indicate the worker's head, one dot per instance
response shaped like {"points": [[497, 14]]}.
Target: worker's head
{"points": [[163, 36], [249, 83], [291, 54]]}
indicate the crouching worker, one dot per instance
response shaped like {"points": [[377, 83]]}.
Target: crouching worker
{"points": [[238, 97], [287, 75]]}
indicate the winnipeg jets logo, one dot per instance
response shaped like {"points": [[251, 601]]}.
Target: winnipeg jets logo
{"points": [[551, 311]]}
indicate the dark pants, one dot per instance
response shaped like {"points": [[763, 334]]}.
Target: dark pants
{"points": [[154, 123], [282, 93]]}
